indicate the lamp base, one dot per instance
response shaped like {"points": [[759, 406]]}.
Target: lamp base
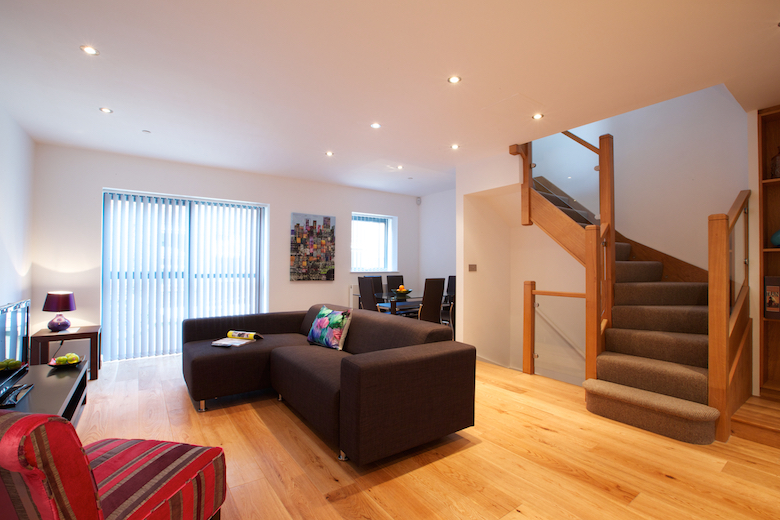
{"points": [[59, 323]]}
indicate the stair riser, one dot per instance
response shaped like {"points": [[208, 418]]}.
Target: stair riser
{"points": [[681, 382], [622, 251], [690, 320], [638, 272], [660, 293], [694, 432], [686, 349]]}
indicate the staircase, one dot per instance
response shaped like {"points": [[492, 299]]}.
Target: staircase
{"points": [[653, 372]]}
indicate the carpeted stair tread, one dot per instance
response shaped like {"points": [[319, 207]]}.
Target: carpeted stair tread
{"points": [[676, 347], [622, 251], [662, 377], [690, 319], [661, 293], [676, 418], [638, 271]]}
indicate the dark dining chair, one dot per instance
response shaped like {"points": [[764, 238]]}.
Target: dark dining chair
{"points": [[367, 296], [377, 286], [394, 281], [449, 299], [430, 308]]}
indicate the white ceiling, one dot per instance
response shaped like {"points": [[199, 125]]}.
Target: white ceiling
{"points": [[269, 87]]}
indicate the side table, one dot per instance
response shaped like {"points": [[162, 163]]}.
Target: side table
{"points": [[39, 345], [58, 390]]}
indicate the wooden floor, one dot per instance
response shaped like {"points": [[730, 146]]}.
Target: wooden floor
{"points": [[535, 452]]}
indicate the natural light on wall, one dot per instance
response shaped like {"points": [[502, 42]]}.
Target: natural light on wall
{"points": [[166, 259], [374, 243]]}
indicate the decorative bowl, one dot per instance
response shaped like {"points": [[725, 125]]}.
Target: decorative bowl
{"points": [[401, 295]]}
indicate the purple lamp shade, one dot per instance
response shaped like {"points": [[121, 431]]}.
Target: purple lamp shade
{"points": [[59, 301]]}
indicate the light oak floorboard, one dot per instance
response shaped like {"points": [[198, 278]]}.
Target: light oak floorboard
{"points": [[535, 452]]}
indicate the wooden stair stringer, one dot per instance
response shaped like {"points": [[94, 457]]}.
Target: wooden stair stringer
{"points": [[558, 226]]}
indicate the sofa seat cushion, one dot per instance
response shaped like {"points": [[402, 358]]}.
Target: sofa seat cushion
{"points": [[216, 372], [309, 379]]}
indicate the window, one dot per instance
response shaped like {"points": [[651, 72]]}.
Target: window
{"points": [[374, 242], [167, 259]]}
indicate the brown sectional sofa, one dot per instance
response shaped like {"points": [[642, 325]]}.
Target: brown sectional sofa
{"points": [[397, 384]]}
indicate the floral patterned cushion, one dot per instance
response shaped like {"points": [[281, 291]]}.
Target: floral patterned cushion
{"points": [[329, 328]]}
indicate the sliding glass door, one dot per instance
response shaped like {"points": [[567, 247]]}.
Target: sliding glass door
{"points": [[166, 259]]}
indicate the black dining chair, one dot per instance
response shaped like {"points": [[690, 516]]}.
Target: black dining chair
{"points": [[377, 286], [367, 296], [430, 308], [449, 298], [394, 281]]}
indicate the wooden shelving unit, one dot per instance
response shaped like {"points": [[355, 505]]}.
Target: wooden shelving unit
{"points": [[769, 223]]}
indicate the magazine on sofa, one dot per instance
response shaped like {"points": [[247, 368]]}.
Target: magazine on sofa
{"points": [[236, 338]]}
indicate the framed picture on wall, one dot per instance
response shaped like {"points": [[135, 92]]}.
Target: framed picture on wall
{"points": [[312, 247], [772, 297]]}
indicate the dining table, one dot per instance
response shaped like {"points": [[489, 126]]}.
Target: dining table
{"points": [[395, 305]]}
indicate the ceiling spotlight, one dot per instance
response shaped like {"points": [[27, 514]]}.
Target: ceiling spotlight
{"points": [[538, 116], [454, 79], [89, 50], [106, 110], [454, 146], [375, 125], [329, 153], [146, 131], [400, 167]]}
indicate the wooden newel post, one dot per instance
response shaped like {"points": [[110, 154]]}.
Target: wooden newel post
{"points": [[529, 327], [607, 211], [719, 298], [525, 152], [593, 277]]}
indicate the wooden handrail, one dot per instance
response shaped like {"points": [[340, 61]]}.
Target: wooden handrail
{"points": [[561, 294], [739, 205], [583, 142]]}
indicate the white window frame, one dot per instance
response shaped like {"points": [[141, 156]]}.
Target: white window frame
{"points": [[389, 241]]}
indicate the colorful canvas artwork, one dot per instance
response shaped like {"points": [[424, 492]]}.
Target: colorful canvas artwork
{"points": [[312, 247]]}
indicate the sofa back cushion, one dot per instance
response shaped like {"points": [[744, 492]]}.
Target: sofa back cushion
{"points": [[370, 331]]}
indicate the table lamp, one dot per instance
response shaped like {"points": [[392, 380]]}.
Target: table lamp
{"points": [[59, 301]]}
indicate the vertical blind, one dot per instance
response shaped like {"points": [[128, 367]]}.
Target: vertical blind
{"points": [[167, 259]]}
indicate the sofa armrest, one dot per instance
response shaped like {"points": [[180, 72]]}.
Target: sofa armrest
{"points": [[396, 399], [196, 329]]}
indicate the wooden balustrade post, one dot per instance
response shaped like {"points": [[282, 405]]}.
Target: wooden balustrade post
{"points": [[529, 327], [607, 210], [719, 309], [593, 274], [526, 153]]}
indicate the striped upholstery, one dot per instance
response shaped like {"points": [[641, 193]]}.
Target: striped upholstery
{"points": [[47, 474]]}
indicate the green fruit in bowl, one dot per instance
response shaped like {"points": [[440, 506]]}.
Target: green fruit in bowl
{"points": [[3, 365], [61, 360], [72, 358], [14, 364]]}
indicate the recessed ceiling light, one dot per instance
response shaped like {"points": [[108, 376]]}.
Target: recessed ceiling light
{"points": [[410, 178], [105, 110], [400, 167], [454, 79], [329, 153], [538, 116], [146, 131], [454, 146], [89, 50], [375, 125]]}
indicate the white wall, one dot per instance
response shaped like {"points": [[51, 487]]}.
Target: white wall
{"points": [[437, 235], [676, 163], [68, 184], [16, 156]]}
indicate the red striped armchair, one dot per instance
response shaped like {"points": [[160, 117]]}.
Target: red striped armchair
{"points": [[46, 473]]}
